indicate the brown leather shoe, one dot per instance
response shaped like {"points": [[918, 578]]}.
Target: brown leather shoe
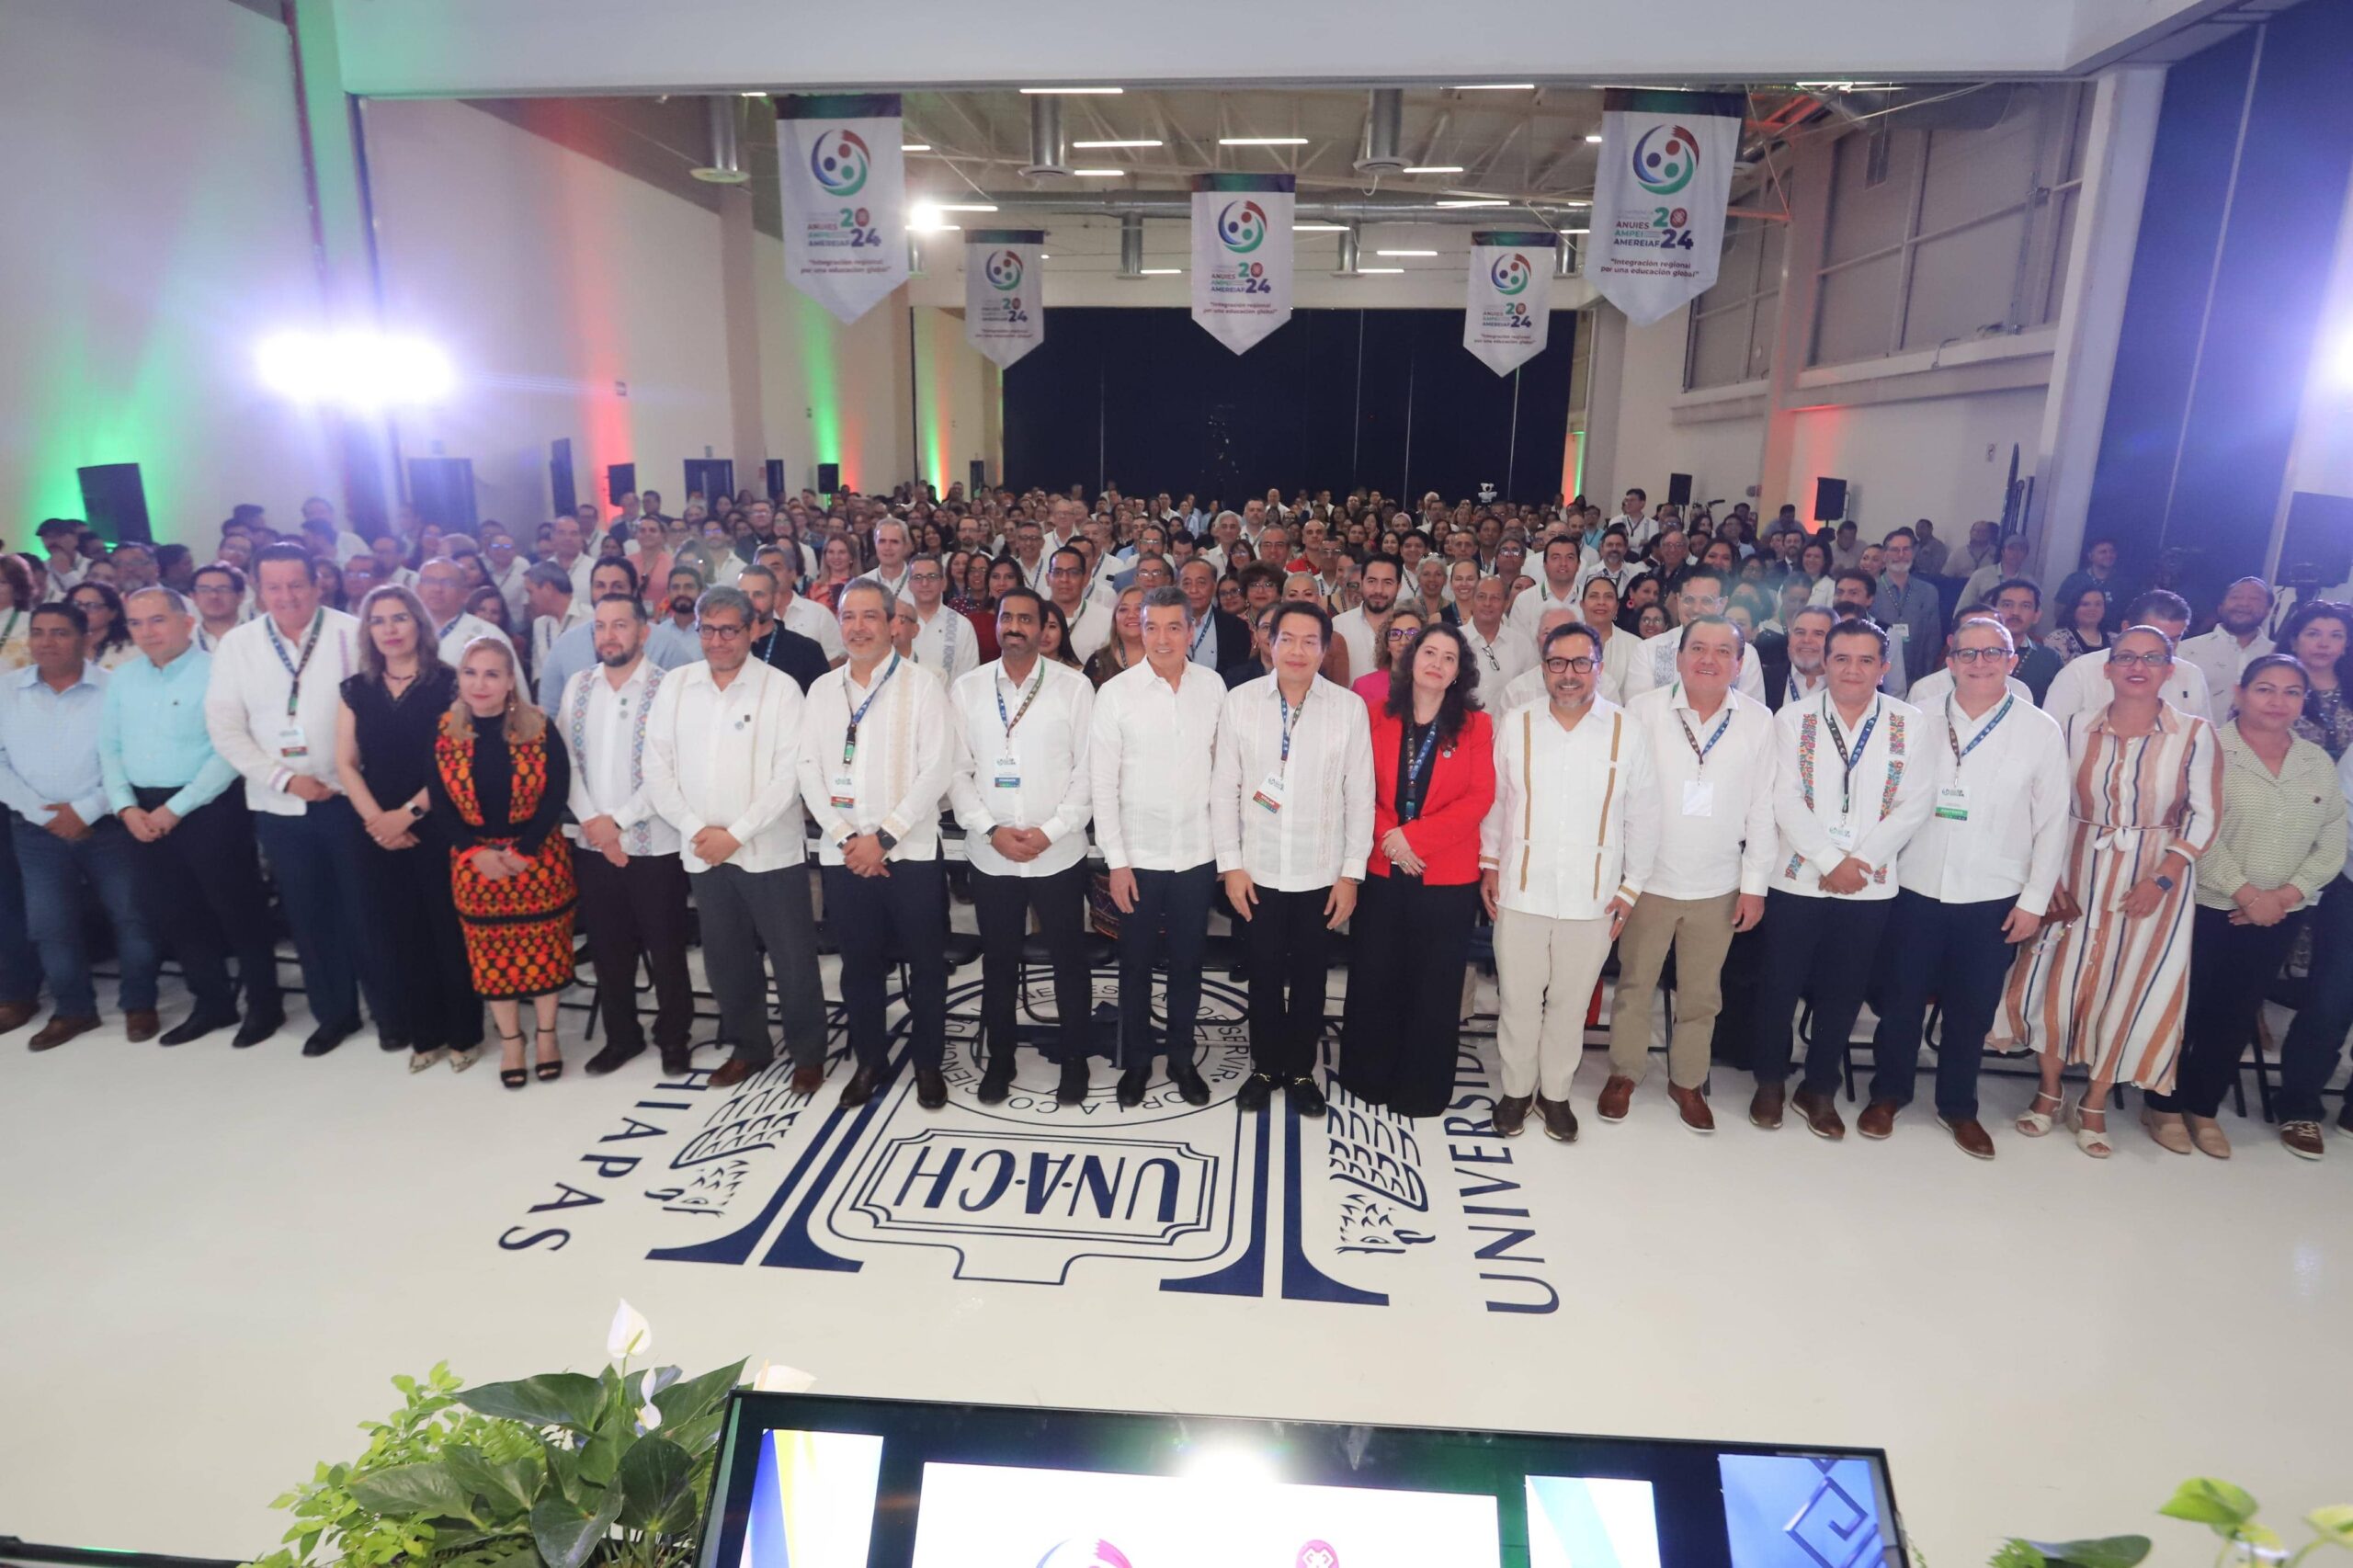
{"points": [[1764, 1110], [2303, 1140], [1692, 1106], [1559, 1121], [1969, 1135], [59, 1029], [15, 1016], [1616, 1095], [734, 1071], [807, 1078], [859, 1089], [1878, 1119], [139, 1028], [1511, 1115], [1821, 1115]]}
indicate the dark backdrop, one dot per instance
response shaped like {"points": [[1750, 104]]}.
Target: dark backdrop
{"points": [[1147, 399]]}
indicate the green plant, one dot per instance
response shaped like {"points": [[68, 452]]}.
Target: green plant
{"points": [[2227, 1510], [558, 1471]]}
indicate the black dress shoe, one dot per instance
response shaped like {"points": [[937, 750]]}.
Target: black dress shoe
{"points": [[675, 1059], [259, 1027], [196, 1027], [326, 1037], [615, 1054], [1256, 1089], [392, 1042], [995, 1084], [1191, 1083], [931, 1088], [1072, 1089], [1304, 1096], [859, 1089], [1133, 1084]]}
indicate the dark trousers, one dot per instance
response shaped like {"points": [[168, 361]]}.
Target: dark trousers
{"points": [[318, 861], [1290, 949], [1821, 947], [412, 925], [2308, 1056], [876, 920], [1403, 1020], [202, 883], [1003, 906], [2230, 968], [1956, 953], [1172, 919], [56, 871], [744, 912], [19, 962], [638, 911]]}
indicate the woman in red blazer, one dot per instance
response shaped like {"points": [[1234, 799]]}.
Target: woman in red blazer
{"points": [[1434, 775]]}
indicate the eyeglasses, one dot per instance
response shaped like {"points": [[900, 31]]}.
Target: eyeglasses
{"points": [[1581, 664], [725, 634], [1404, 633], [2146, 661], [1976, 655]]}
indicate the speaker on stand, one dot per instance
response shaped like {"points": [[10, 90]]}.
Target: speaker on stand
{"points": [[1829, 500]]}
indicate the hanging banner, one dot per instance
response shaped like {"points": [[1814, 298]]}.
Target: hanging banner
{"points": [[1509, 312], [1002, 279], [844, 185], [1242, 255], [1659, 195]]}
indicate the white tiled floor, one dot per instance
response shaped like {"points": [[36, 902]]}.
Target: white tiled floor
{"points": [[210, 1262]]}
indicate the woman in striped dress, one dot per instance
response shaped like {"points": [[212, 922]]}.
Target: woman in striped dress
{"points": [[2105, 986]]}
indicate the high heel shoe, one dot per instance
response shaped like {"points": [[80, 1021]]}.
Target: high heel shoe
{"points": [[2092, 1141], [549, 1072], [2035, 1122], [513, 1078]]}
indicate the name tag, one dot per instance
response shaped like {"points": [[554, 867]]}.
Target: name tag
{"points": [[292, 744], [1699, 798], [844, 791], [1952, 802], [1270, 793], [1844, 835], [1007, 773]]}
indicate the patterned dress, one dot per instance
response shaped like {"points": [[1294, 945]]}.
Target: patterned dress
{"points": [[2106, 990], [489, 794]]}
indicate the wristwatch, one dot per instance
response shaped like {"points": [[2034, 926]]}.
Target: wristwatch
{"points": [[887, 839], [2164, 882], [415, 810]]}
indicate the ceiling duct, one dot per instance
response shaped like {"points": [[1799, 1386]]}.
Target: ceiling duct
{"points": [[726, 166], [1351, 250], [1049, 149], [1132, 247], [1565, 256], [1384, 132]]}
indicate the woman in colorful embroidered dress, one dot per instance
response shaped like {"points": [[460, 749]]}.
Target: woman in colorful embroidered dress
{"points": [[499, 786], [2105, 986]]}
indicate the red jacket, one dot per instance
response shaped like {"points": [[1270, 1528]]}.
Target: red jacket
{"points": [[1461, 787]]}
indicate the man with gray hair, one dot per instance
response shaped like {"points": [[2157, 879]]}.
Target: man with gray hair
{"points": [[441, 589], [549, 594], [891, 546]]}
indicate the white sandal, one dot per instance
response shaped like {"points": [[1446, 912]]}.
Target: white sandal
{"points": [[2036, 1123], [2092, 1141]]}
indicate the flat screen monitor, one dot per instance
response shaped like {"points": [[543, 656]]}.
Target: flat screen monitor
{"points": [[809, 1482]]}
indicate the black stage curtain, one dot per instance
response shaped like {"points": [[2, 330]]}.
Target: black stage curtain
{"points": [[1388, 399]]}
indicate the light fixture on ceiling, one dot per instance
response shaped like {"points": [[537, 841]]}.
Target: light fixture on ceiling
{"points": [[1434, 169], [1404, 253], [1593, 138], [1496, 87], [1576, 231], [1099, 173], [1160, 271], [1368, 271], [1471, 201], [1262, 140], [915, 146], [1052, 92], [1118, 141], [1319, 228], [755, 94], [964, 207]]}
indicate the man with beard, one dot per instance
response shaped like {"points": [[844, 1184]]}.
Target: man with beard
{"points": [[2017, 601], [576, 650], [2237, 641], [1809, 645], [1360, 629]]}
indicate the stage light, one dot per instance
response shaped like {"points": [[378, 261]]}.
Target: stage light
{"points": [[1319, 228], [1472, 201], [355, 370]]}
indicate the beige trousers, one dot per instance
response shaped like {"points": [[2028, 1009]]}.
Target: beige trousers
{"points": [[1698, 930], [1545, 972]]}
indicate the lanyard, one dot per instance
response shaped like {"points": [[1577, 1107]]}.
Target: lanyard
{"points": [[857, 715], [1021, 712], [294, 668], [1409, 806], [451, 627], [1207, 621], [1952, 734], [1290, 716], [1848, 761], [767, 649], [1701, 751]]}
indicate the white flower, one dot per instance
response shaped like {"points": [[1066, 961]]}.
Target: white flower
{"points": [[630, 1335], [775, 1378]]}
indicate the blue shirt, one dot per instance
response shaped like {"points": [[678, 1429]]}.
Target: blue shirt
{"points": [[49, 745], [152, 734], [665, 645]]}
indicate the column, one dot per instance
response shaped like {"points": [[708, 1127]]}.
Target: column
{"points": [[740, 308], [1807, 182]]}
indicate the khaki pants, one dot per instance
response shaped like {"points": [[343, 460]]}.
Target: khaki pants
{"points": [[1545, 972], [1700, 931]]}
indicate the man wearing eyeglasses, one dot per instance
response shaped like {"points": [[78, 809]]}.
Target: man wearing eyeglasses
{"points": [[1974, 881], [2083, 686], [1090, 620], [1935, 687], [1711, 751], [1909, 609], [1700, 593], [944, 642]]}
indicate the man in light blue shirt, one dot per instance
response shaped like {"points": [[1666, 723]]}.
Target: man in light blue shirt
{"points": [[192, 855], [576, 650], [65, 834]]}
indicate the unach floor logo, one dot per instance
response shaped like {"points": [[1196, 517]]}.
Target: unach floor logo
{"points": [[1003, 269], [1242, 227], [1666, 157], [1511, 273], [840, 162]]}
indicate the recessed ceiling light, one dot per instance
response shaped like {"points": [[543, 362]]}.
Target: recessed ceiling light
{"points": [[1435, 169], [1380, 269], [1100, 174], [1044, 92], [1160, 271], [1496, 87], [1121, 142], [915, 146], [1404, 253], [1262, 140], [1594, 139], [964, 207]]}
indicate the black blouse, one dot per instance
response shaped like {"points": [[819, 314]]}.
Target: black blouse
{"points": [[395, 735], [494, 775]]}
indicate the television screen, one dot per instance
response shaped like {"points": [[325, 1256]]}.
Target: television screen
{"points": [[809, 1482]]}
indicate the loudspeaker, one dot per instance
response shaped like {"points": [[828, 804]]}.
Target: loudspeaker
{"points": [[563, 498], [776, 479], [2319, 534], [713, 476], [621, 479], [829, 478], [442, 491], [980, 480], [1829, 500], [1678, 490], [114, 502]]}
